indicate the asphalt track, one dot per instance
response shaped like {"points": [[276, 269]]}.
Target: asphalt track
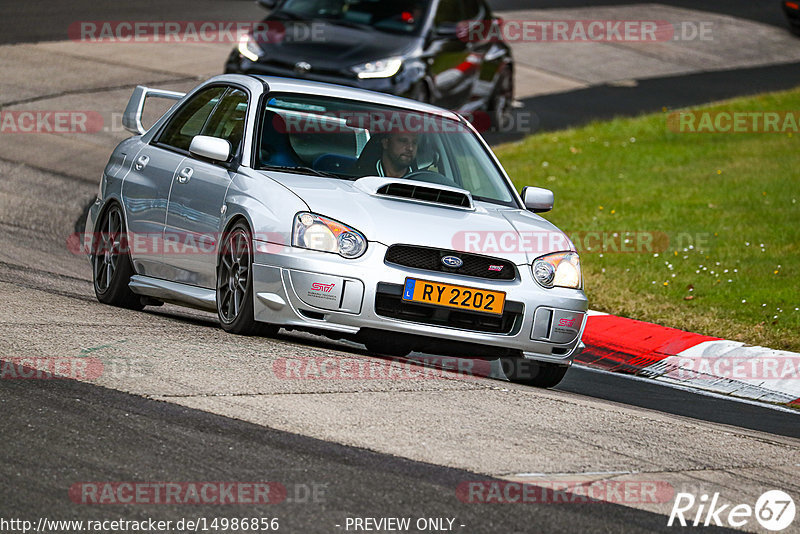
{"points": [[380, 450], [574, 108], [44, 20], [48, 20], [66, 431]]}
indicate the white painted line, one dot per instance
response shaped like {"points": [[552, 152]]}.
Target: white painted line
{"points": [[585, 473]]}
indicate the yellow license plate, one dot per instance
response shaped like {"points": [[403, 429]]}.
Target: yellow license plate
{"points": [[464, 298]]}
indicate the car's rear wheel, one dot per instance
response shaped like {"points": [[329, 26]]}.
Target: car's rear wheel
{"points": [[531, 373], [111, 263], [235, 285]]}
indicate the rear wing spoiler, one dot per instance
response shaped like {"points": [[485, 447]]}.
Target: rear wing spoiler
{"points": [[132, 118]]}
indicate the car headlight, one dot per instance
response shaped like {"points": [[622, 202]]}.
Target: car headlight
{"points": [[561, 269], [249, 48], [384, 68], [326, 235]]}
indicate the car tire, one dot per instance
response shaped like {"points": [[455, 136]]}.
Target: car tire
{"points": [[234, 286], [111, 262], [502, 100], [530, 373]]}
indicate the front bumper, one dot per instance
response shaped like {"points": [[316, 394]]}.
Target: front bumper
{"points": [[303, 289]]}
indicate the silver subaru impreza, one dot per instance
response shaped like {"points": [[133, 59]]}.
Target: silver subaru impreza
{"points": [[281, 203]]}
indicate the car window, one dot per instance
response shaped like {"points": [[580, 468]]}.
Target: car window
{"points": [[228, 119], [396, 16], [190, 119], [349, 140], [449, 11]]}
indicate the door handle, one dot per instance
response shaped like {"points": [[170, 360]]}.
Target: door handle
{"points": [[141, 162], [185, 175]]}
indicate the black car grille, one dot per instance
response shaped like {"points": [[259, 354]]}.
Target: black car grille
{"points": [[278, 67], [389, 303], [430, 259]]}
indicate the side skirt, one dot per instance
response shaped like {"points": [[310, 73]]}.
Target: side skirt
{"points": [[175, 293]]}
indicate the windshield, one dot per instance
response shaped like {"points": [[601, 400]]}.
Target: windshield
{"points": [[396, 16], [349, 140]]}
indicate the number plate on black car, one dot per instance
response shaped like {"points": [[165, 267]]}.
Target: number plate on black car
{"points": [[453, 296]]}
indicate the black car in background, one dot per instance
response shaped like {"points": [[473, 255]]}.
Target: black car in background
{"points": [[792, 10], [442, 52]]}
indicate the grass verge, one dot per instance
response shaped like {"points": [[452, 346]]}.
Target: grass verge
{"points": [[722, 212]]}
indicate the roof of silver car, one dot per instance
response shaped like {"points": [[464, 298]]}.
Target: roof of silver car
{"points": [[292, 85]]}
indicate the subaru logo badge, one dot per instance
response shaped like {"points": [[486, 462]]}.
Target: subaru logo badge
{"points": [[301, 67], [452, 261]]}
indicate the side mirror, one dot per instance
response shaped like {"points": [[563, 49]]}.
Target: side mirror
{"points": [[537, 200], [267, 4], [211, 148]]}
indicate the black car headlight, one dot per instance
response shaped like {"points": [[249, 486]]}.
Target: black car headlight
{"points": [[383, 68], [249, 48]]}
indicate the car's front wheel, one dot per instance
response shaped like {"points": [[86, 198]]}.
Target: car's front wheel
{"points": [[502, 101], [531, 373], [111, 263], [235, 285]]}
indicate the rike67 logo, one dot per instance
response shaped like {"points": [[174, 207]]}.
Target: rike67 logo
{"points": [[774, 510]]}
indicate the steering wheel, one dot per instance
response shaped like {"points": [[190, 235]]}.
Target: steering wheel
{"points": [[431, 177]]}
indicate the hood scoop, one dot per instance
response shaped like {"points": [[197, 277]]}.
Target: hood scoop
{"points": [[414, 191]]}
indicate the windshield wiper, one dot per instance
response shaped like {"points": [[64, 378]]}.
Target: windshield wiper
{"points": [[490, 200], [287, 15], [349, 24], [299, 170]]}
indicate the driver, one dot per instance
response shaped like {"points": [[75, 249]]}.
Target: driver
{"points": [[398, 155]]}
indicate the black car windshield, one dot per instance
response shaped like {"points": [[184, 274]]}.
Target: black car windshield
{"points": [[396, 16], [348, 139]]}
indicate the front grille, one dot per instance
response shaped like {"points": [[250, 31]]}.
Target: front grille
{"points": [[430, 259], [389, 303], [278, 67]]}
